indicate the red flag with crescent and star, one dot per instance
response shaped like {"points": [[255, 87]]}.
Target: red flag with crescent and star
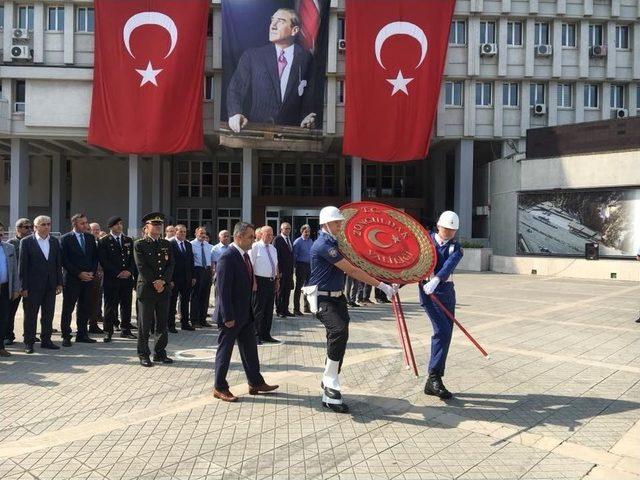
{"points": [[395, 58], [148, 75]]}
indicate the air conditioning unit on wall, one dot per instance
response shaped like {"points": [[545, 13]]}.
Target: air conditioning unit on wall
{"points": [[539, 109], [342, 45], [22, 52], [598, 51], [488, 49], [543, 50], [20, 34], [620, 113]]}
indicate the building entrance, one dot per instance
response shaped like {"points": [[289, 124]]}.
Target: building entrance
{"points": [[297, 217]]}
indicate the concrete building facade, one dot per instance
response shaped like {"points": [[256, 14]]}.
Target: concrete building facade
{"points": [[512, 65]]}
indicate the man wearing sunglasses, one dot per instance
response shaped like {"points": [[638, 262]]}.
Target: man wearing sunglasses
{"points": [[24, 228]]}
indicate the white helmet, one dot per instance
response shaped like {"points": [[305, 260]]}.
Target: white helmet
{"points": [[330, 214], [450, 220]]}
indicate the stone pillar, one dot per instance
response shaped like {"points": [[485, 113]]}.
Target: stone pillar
{"points": [[135, 195], [156, 184], [439, 181], [19, 187], [59, 199], [247, 191], [463, 188], [356, 179]]}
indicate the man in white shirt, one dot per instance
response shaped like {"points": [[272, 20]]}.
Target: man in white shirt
{"points": [[202, 271], [264, 259], [169, 232]]}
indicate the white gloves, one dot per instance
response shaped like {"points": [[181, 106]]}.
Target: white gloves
{"points": [[389, 290], [431, 285]]}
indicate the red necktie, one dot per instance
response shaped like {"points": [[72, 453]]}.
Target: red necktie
{"points": [[247, 263], [282, 63]]}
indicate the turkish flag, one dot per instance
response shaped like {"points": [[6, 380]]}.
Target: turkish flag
{"points": [[148, 75], [395, 57]]}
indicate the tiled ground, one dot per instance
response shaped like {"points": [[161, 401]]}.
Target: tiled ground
{"points": [[559, 398]]}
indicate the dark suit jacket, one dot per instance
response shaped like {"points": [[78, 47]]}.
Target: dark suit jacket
{"points": [[285, 261], [234, 289], [74, 260], [37, 274], [115, 259], [15, 241], [154, 261], [257, 76], [183, 271]]}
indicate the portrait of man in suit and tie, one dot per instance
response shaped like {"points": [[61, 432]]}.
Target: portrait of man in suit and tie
{"points": [[274, 83]]}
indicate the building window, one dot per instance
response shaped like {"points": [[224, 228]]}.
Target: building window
{"points": [[487, 32], [536, 93], [193, 218], [318, 179], [591, 95], [341, 29], [541, 32], [565, 95], [622, 37], [514, 33], [617, 96], [1, 14], [390, 181], [227, 218], [20, 94], [56, 19], [195, 178], [595, 35], [458, 33], [6, 169], [25, 17], [483, 94], [85, 19], [568, 35], [453, 94], [229, 179], [340, 92], [638, 97], [208, 87], [278, 178], [210, 24], [510, 94]]}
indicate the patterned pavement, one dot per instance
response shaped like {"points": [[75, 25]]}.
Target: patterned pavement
{"points": [[559, 398]]}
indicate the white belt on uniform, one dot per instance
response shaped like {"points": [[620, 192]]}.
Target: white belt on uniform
{"points": [[329, 294]]}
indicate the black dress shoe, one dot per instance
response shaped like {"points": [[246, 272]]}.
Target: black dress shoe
{"points": [[172, 330], [270, 340], [205, 325], [49, 345], [187, 327], [435, 387], [107, 338], [282, 315], [96, 329], [66, 342], [28, 349], [145, 361], [289, 314], [84, 339], [163, 359], [637, 321], [298, 313], [9, 342], [330, 396], [259, 341], [127, 334]]}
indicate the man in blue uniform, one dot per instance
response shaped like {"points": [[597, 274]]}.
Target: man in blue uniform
{"points": [[441, 285], [324, 292]]}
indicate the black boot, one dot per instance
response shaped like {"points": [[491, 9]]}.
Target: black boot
{"points": [[333, 395], [434, 386]]}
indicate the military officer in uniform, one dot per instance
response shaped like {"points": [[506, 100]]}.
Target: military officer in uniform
{"points": [[115, 252], [155, 264], [440, 284], [324, 292]]}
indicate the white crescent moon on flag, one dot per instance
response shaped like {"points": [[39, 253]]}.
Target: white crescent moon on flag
{"points": [[372, 236], [401, 28], [150, 18]]}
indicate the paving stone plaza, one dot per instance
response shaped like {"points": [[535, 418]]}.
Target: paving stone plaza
{"points": [[559, 398]]}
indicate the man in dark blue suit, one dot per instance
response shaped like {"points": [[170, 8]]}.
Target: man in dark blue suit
{"points": [[80, 262], [277, 77], [41, 280], [183, 279], [234, 315]]}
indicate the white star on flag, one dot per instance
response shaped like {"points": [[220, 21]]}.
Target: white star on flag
{"points": [[149, 75], [399, 83]]}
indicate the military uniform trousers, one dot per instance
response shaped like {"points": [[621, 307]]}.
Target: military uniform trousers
{"points": [[303, 269], [442, 326], [334, 315], [118, 294], [154, 310]]}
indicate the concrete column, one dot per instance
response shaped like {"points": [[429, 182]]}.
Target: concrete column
{"points": [[583, 49], [533, 6], [633, 100], [156, 184], [615, 8], [469, 129], [356, 179], [525, 110], [498, 109], [552, 104], [331, 104], [441, 112], [636, 47], [58, 192], [588, 8], [6, 33], [19, 187], [579, 102], [165, 201], [530, 26], [38, 33], [611, 51], [557, 48], [605, 101], [217, 39], [332, 53], [506, 6], [135, 195], [463, 187], [502, 46], [69, 29], [561, 7], [247, 191], [473, 46]]}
